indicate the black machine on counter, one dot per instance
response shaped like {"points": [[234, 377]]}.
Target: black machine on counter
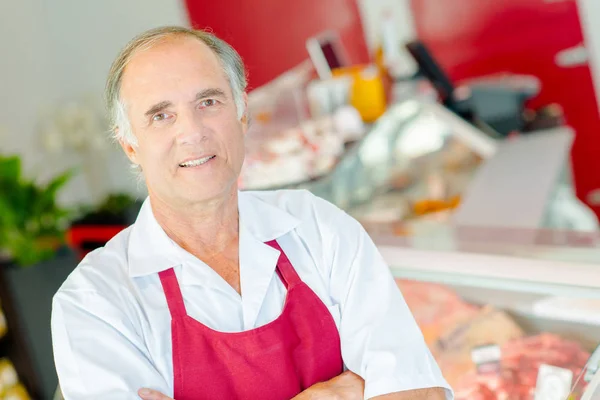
{"points": [[492, 105]]}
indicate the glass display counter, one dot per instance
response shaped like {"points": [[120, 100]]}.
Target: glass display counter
{"points": [[534, 295]]}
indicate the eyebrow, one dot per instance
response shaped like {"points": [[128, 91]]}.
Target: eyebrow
{"points": [[157, 107], [212, 92]]}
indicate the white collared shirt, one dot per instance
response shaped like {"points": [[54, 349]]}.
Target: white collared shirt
{"points": [[111, 326]]}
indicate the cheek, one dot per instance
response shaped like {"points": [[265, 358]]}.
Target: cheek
{"points": [[237, 144], [154, 151]]}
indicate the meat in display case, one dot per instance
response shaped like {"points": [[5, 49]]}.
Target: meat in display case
{"points": [[506, 320], [404, 146]]}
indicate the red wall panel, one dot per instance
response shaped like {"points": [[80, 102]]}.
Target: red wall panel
{"points": [[271, 34], [472, 38]]}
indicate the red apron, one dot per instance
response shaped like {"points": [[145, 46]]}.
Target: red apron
{"points": [[275, 361]]}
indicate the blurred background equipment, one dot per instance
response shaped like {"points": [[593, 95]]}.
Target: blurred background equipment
{"points": [[326, 54], [96, 225], [497, 105], [522, 37]]}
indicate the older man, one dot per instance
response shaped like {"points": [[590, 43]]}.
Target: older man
{"points": [[217, 294]]}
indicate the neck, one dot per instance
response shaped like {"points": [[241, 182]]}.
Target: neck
{"points": [[203, 229]]}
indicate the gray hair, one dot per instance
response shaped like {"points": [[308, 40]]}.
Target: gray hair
{"points": [[230, 60]]}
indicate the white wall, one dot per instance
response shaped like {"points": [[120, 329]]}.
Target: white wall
{"points": [[60, 51]]}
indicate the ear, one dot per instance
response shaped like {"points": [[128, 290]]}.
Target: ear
{"points": [[129, 149], [245, 119]]}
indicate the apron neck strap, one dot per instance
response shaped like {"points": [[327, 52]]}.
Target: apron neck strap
{"points": [[168, 279], [285, 269]]}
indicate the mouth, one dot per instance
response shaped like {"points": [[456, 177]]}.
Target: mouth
{"points": [[196, 162]]}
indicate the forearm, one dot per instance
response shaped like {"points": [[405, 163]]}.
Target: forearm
{"points": [[419, 394], [308, 394], [347, 386]]}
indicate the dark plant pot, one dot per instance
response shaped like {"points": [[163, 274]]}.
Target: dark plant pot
{"points": [[26, 295], [123, 218]]}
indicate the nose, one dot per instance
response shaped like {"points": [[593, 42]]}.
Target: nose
{"points": [[191, 128]]}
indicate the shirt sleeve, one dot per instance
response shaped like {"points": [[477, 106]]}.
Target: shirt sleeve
{"points": [[98, 352], [380, 339]]}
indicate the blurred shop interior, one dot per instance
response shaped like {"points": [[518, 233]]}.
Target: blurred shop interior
{"points": [[464, 135]]}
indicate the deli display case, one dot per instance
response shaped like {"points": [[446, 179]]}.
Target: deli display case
{"points": [[497, 259], [506, 313]]}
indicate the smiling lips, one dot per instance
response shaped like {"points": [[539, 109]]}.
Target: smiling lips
{"points": [[196, 162]]}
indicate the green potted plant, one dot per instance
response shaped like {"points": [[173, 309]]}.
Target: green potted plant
{"points": [[32, 224], [33, 264]]}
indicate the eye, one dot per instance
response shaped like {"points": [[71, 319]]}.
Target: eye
{"points": [[208, 103], [160, 117]]}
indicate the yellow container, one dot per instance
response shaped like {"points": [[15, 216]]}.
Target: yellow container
{"points": [[368, 94], [17, 392]]}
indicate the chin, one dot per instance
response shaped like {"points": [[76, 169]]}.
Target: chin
{"points": [[202, 191]]}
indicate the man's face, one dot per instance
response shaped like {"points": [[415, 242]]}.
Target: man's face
{"points": [[182, 112]]}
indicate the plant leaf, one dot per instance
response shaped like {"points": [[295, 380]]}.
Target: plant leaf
{"points": [[10, 171], [30, 219]]}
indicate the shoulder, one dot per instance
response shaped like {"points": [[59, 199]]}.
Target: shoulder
{"points": [[301, 204], [103, 272], [317, 217]]}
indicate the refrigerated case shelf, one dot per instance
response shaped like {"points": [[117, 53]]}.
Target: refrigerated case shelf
{"points": [[535, 293], [494, 271]]}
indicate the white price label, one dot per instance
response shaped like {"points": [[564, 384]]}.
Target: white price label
{"points": [[553, 383]]}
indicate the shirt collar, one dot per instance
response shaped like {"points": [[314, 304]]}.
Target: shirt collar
{"points": [[150, 250]]}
